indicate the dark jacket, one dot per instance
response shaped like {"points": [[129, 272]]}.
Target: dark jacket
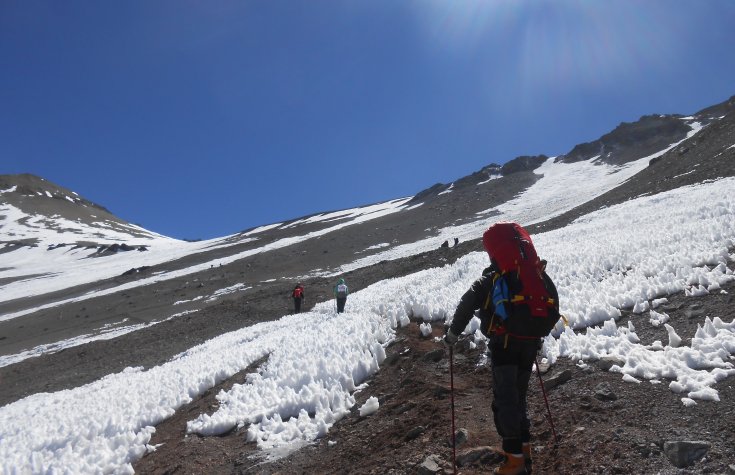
{"points": [[477, 298], [472, 300]]}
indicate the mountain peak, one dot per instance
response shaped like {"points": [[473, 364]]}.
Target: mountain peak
{"points": [[37, 210]]}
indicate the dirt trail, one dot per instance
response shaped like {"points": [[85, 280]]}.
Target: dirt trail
{"points": [[622, 433]]}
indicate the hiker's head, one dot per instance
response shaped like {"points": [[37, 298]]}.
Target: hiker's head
{"points": [[487, 244], [341, 281]]}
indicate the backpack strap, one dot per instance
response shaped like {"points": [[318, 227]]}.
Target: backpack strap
{"points": [[520, 298]]}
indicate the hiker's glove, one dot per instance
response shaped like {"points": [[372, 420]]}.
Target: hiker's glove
{"points": [[450, 338]]}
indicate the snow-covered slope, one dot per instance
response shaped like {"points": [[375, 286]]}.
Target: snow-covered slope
{"points": [[56, 263], [653, 246], [60, 249]]}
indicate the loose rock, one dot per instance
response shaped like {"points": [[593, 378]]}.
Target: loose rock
{"points": [[604, 393], [685, 453], [461, 437], [557, 379], [415, 432], [474, 454], [607, 362], [435, 355], [431, 465]]}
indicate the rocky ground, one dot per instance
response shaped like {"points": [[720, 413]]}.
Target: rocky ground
{"points": [[603, 425]]}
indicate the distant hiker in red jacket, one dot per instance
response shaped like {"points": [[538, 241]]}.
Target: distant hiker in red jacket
{"points": [[518, 305], [298, 297]]}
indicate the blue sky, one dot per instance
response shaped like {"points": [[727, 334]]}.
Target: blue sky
{"points": [[199, 119]]}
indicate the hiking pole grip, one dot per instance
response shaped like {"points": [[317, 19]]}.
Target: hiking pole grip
{"points": [[451, 397], [546, 400]]}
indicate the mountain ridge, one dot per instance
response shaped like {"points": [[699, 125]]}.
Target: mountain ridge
{"points": [[626, 142]]}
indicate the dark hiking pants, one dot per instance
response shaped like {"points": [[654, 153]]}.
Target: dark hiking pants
{"points": [[297, 304], [341, 304], [511, 367]]}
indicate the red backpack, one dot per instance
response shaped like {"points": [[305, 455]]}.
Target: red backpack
{"points": [[522, 295], [298, 292]]}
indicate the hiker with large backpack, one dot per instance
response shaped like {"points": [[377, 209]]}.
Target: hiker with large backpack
{"points": [[340, 293], [298, 297], [518, 305]]}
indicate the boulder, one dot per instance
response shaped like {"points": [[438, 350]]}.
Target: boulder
{"points": [[683, 453]]}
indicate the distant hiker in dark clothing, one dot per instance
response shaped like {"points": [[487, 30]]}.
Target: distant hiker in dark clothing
{"points": [[513, 336], [456, 241], [298, 296], [445, 244], [340, 293]]}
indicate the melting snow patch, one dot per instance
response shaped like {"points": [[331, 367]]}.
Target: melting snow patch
{"points": [[490, 178], [370, 407], [448, 190], [658, 319], [227, 290], [688, 402], [378, 246]]}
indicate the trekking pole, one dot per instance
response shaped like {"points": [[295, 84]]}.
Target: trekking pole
{"points": [[546, 400], [451, 395]]}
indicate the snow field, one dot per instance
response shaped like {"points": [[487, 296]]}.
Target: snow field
{"points": [[693, 370], [106, 425], [623, 257], [561, 187], [307, 383], [61, 268]]}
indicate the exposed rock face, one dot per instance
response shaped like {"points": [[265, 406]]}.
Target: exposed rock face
{"points": [[28, 186], [433, 190], [631, 141], [523, 163]]}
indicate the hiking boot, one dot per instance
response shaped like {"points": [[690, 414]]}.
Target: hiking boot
{"points": [[527, 457], [514, 465]]}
